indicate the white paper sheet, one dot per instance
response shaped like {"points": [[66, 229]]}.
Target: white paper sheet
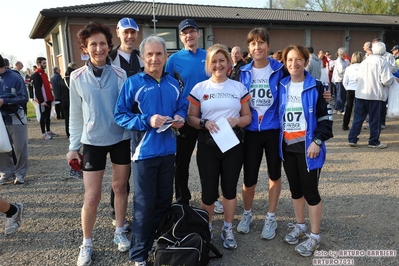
{"points": [[164, 127], [225, 138]]}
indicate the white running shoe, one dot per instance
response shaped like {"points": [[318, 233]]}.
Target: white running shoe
{"points": [[243, 226], [14, 222], [269, 229], [218, 207], [307, 247], [46, 136], [229, 242], [85, 253], [122, 242], [297, 233]]}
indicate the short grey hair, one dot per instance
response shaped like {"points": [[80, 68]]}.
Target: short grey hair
{"points": [[342, 50], [152, 39], [238, 48], [378, 48]]}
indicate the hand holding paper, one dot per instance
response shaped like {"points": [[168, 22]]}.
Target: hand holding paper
{"points": [[225, 137]]}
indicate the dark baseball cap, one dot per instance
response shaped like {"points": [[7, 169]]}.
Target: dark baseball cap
{"points": [[396, 47], [187, 23]]}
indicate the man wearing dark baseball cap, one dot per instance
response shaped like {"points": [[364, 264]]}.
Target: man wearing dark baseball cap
{"points": [[187, 23], [396, 47], [189, 63]]}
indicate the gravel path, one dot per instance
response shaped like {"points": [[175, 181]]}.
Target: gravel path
{"points": [[359, 188]]}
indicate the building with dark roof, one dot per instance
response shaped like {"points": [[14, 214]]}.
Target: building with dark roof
{"points": [[218, 24]]}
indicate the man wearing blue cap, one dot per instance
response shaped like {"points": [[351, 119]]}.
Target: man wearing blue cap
{"points": [[128, 58], [124, 55], [189, 63]]}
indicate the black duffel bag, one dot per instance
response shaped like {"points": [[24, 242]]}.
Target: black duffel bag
{"points": [[184, 238]]}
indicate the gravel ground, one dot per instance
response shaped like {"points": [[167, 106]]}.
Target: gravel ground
{"points": [[359, 188]]}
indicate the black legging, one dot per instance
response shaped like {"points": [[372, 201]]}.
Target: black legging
{"points": [[65, 112], [350, 100], [45, 117], [59, 110], [303, 183]]}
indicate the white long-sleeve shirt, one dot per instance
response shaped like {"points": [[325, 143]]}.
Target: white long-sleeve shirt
{"points": [[374, 79], [92, 107], [350, 77], [339, 69]]}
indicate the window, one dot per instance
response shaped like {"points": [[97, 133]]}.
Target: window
{"points": [[172, 39], [56, 38]]}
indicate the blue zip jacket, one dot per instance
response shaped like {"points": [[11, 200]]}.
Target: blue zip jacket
{"points": [[140, 98], [268, 120], [14, 93], [190, 66], [318, 117]]}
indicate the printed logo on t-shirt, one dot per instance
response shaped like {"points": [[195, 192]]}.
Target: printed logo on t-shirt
{"points": [[221, 95], [205, 97]]}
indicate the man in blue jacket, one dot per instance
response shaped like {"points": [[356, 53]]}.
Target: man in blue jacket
{"points": [[151, 106], [13, 95]]}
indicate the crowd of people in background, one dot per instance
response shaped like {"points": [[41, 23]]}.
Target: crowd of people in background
{"points": [[148, 112]]}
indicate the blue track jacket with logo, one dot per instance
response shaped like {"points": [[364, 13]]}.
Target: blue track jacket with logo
{"points": [[270, 118], [140, 98], [319, 121]]}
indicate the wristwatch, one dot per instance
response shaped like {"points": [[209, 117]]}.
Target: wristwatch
{"points": [[202, 123], [317, 141]]}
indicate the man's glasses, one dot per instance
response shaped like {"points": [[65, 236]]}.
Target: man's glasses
{"points": [[188, 32]]}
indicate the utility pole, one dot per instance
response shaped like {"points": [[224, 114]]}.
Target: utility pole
{"points": [[153, 17]]}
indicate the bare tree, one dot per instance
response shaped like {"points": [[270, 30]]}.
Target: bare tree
{"points": [[11, 58], [387, 7]]}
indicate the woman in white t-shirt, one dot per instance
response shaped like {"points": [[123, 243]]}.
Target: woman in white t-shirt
{"points": [[210, 101]]}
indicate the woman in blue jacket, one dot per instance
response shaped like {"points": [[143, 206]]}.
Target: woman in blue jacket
{"points": [[306, 123], [261, 78]]}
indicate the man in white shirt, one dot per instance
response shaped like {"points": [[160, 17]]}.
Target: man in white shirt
{"points": [[371, 93]]}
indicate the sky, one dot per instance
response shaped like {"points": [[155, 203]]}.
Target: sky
{"points": [[18, 18]]}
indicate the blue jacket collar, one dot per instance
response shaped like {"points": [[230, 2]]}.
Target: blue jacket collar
{"points": [[274, 64], [309, 81]]}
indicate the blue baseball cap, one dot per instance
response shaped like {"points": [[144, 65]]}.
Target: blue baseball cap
{"points": [[127, 23], [187, 23]]}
